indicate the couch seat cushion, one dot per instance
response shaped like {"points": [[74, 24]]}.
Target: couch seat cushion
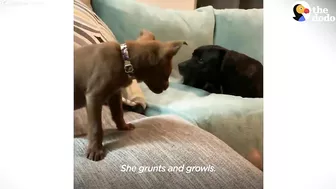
{"points": [[164, 141]]}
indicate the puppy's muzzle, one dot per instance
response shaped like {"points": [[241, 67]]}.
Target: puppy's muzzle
{"points": [[166, 85], [159, 89]]}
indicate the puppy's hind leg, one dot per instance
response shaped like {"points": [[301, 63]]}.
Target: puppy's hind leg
{"points": [[95, 150], [116, 108]]}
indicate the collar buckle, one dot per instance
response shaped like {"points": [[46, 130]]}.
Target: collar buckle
{"points": [[128, 67]]}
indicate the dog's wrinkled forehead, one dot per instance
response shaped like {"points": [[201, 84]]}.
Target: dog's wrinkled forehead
{"points": [[199, 52], [207, 52]]}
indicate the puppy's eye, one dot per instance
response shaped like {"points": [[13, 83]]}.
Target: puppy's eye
{"points": [[200, 61]]}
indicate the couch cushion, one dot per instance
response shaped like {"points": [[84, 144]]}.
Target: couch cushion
{"points": [[164, 141], [90, 29], [127, 17], [235, 120], [240, 30]]}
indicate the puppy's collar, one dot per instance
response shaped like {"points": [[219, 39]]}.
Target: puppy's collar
{"points": [[128, 67]]}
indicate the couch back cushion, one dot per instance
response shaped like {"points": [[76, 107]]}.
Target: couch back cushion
{"points": [[240, 30]]}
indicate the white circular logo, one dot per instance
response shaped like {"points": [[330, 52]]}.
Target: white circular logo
{"points": [[301, 11]]}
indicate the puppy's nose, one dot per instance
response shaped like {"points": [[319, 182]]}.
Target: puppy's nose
{"points": [[166, 85]]}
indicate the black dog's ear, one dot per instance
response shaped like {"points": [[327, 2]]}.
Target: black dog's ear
{"points": [[222, 54]]}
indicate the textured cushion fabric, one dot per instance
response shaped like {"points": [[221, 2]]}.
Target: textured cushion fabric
{"points": [[90, 29], [127, 17], [164, 141], [158, 103], [80, 119], [240, 30]]}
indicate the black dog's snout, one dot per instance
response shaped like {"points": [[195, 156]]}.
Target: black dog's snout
{"points": [[182, 67]]}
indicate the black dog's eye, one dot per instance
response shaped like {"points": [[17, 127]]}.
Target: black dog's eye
{"points": [[200, 61]]}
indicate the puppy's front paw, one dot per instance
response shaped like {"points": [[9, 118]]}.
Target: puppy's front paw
{"points": [[128, 126], [95, 153]]}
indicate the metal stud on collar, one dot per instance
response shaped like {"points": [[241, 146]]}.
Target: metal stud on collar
{"points": [[128, 67]]}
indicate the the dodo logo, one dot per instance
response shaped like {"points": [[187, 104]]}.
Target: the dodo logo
{"points": [[302, 12]]}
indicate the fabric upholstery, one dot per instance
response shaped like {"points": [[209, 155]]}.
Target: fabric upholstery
{"points": [[219, 4], [166, 141], [90, 29], [87, 3]]}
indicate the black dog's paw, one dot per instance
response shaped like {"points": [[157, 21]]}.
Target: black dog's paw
{"points": [[211, 88], [137, 109]]}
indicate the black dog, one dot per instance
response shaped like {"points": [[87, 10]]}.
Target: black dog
{"points": [[219, 70]]}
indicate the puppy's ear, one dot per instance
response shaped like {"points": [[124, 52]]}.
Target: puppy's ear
{"points": [[172, 47], [143, 31], [146, 35]]}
